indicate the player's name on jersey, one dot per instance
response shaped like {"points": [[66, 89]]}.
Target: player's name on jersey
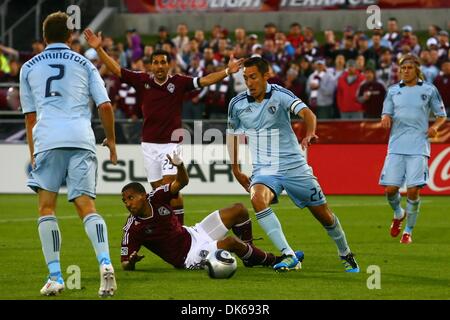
{"points": [[57, 55]]}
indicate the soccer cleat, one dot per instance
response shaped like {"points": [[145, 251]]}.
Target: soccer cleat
{"points": [[300, 255], [268, 262], [350, 263], [288, 262], [108, 284], [406, 238], [396, 226], [53, 287]]}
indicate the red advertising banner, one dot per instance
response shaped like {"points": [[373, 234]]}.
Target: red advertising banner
{"points": [[359, 132], [156, 6], [356, 168]]}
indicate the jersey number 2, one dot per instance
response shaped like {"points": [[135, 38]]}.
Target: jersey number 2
{"points": [[48, 84]]}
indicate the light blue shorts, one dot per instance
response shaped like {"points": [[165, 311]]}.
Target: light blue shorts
{"points": [[76, 167], [300, 185], [399, 169]]}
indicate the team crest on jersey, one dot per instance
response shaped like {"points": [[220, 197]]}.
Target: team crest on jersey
{"points": [[424, 97], [171, 87], [272, 109], [147, 86], [163, 211], [148, 230]]}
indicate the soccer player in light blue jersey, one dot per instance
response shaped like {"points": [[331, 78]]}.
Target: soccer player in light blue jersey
{"points": [[55, 87], [406, 112], [262, 114]]}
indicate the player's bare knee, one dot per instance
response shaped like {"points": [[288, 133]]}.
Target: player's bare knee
{"points": [[240, 211], [259, 202], [413, 193], [391, 191]]}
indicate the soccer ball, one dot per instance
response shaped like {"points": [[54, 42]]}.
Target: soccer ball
{"points": [[220, 264]]}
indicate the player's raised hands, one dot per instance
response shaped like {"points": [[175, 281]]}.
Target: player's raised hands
{"points": [[176, 158], [234, 65], [308, 140], [94, 41], [386, 121], [112, 150]]}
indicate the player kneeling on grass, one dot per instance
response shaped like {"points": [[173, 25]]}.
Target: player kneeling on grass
{"points": [[153, 224]]}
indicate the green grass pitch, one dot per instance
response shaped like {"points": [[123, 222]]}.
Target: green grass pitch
{"points": [[418, 271]]}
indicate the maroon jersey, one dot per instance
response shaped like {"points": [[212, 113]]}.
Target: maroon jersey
{"points": [[374, 105], [161, 233], [161, 104]]}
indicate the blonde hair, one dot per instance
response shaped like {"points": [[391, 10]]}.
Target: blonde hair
{"points": [[413, 59]]}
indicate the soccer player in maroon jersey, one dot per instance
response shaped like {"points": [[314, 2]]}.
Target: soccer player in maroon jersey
{"points": [[162, 101], [153, 224]]}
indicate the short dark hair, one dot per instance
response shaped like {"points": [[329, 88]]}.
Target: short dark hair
{"points": [[160, 53], [261, 64], [135, 186], [55, 27], [393, 19]]}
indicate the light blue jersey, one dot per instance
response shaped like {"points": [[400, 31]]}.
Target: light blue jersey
{"points": [[57, 84], [409, 108], [273, 144]]}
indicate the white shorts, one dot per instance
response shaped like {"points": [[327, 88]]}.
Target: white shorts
{"points": [[155, 160], [204, 237], [399, 169]]}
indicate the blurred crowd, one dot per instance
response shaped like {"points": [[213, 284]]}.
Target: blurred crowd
{"points": [[344, 76]]}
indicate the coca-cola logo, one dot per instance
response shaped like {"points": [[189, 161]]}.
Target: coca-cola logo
{"points": [[440, 171]]}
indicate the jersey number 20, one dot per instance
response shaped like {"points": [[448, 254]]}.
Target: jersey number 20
{"points": [[48, 84]]}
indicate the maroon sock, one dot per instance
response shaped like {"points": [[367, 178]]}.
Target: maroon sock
{"points": [[255, 257], [244, 231], [179, 213]]}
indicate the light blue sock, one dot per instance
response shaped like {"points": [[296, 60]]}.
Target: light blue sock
{"points": [[51, 244], [336, 232], [96, 230], [395, 205], [412, 210], [269, 222]]}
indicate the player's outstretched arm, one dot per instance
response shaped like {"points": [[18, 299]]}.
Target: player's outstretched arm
{"points": [[106, 113], [233, 151], [233, 67], [130, 265], [95, 41], [310, 123], [30, 121], [182, 178]]}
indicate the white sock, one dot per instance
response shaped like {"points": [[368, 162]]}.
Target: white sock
{"points": [[51, 244], [336, 232], [95, 227], [269, 222], [394, 202]]}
